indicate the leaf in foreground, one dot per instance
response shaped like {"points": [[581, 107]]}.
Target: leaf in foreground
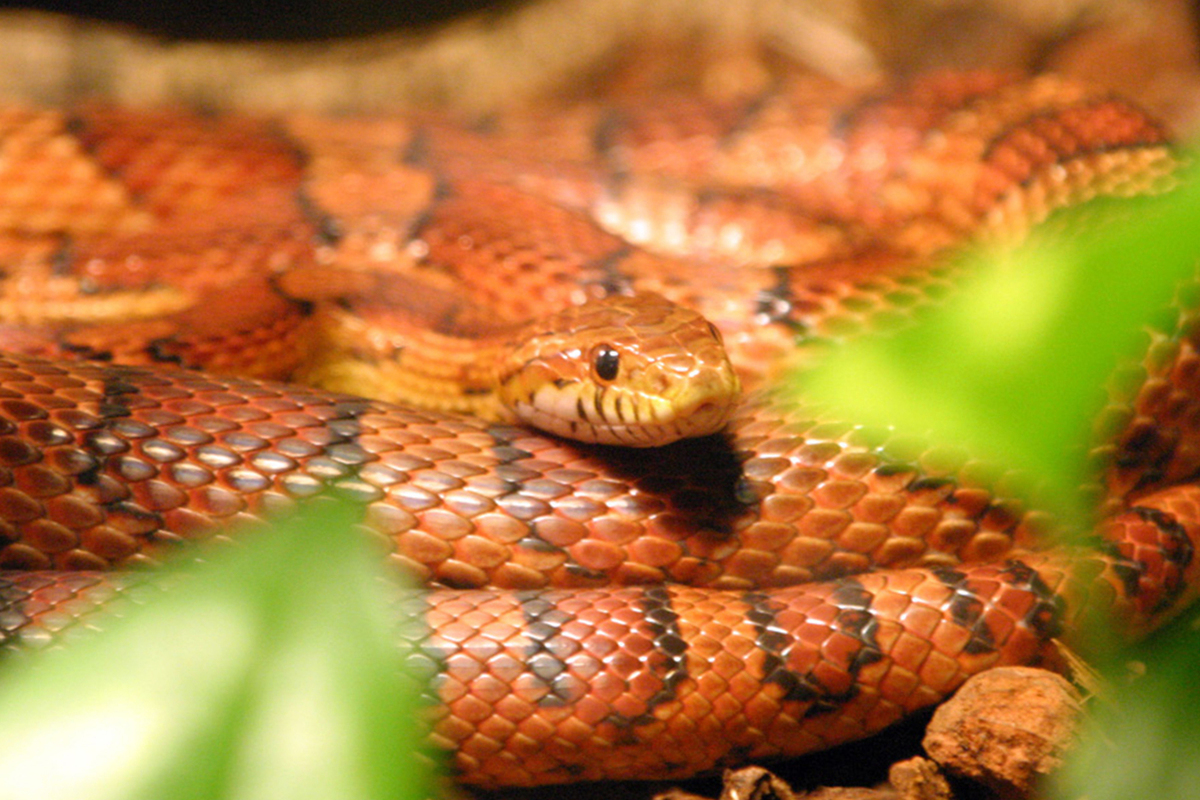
{"points": [[272, 672], [1011, 368], [1141, 740]]}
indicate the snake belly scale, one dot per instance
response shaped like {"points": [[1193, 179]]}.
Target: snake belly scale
{"points": [[786, 584]]}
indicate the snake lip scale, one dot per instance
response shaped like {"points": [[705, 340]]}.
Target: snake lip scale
{"points": [[785, 584]]}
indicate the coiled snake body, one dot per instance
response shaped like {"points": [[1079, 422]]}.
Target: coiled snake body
{"points": [[795, 216]]}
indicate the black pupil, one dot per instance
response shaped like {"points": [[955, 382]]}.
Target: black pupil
{"points": [[607, 361]]}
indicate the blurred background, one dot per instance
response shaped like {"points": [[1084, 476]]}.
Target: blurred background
{"points": [[270, 55]]}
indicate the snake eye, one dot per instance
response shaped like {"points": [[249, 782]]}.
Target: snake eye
{"points": [[607, 362]]}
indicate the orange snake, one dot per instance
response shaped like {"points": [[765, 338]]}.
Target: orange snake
{"points": [[793, 216]]}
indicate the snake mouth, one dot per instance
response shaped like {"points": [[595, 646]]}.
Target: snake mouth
{"points": [[707, 405], [704, 419], [707, 417]]}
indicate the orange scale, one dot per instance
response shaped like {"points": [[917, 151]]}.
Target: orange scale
{"points": [[758, 709], [1014, 603], [471, 708], [822, 523]]}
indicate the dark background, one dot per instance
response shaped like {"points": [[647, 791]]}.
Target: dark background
{"points": [[234, 20]]}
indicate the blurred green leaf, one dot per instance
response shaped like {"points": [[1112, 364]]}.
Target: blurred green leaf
{"points": [[1142, 740], [1013, 368], [272, 672]]}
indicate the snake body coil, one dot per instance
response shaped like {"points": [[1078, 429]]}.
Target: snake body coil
{"points": [[121, 228]]}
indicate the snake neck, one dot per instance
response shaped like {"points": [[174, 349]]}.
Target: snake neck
{"points": [[409, 364]]}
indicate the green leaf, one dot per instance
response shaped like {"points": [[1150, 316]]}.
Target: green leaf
{"points": [[1012, 369], [1140, 740], [272, 672]]}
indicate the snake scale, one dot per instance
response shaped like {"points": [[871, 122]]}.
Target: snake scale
{"points": [[789, 584]]}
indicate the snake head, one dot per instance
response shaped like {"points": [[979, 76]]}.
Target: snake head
{"points": [[635, 370]]}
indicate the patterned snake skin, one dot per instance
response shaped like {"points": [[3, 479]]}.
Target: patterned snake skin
{"points": [[791, 584]]}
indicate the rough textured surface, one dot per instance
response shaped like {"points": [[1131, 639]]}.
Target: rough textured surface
{"points": [[756, 783], [1143, 48], [919, 779], [851, 793], [1006, 728]]}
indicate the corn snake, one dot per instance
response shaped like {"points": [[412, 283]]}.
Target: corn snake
{"points": [[112, 464]]}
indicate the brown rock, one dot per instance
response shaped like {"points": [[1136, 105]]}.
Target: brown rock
{"points": [[1005, 728], [756, 783], [851, 793], [919, 779]]}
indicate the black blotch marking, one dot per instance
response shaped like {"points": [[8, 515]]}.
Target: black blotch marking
{"points": [[1046, 616], [538, 545], [668, 655], [612, 280], [1134, 450], [927, 483], [502, 445], [948, 575], [966, 610], [85, 351], [116, 394], [119, 391], [159, 351], [135, 511], [857, 620], [854, 619], [304, 307], [343, 450], [544, 622], [748, 116], [773, 642], [1129, 573], [473, 391], [715, 332], [776, 303], [1177, 551], [845, 120], [580, 571], [1181, 551], [12, 611], [442, 190], [514, 476], [327, 227]]}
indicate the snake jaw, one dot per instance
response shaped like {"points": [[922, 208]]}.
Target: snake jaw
{"points": [[599, 415], [704, 404]]}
